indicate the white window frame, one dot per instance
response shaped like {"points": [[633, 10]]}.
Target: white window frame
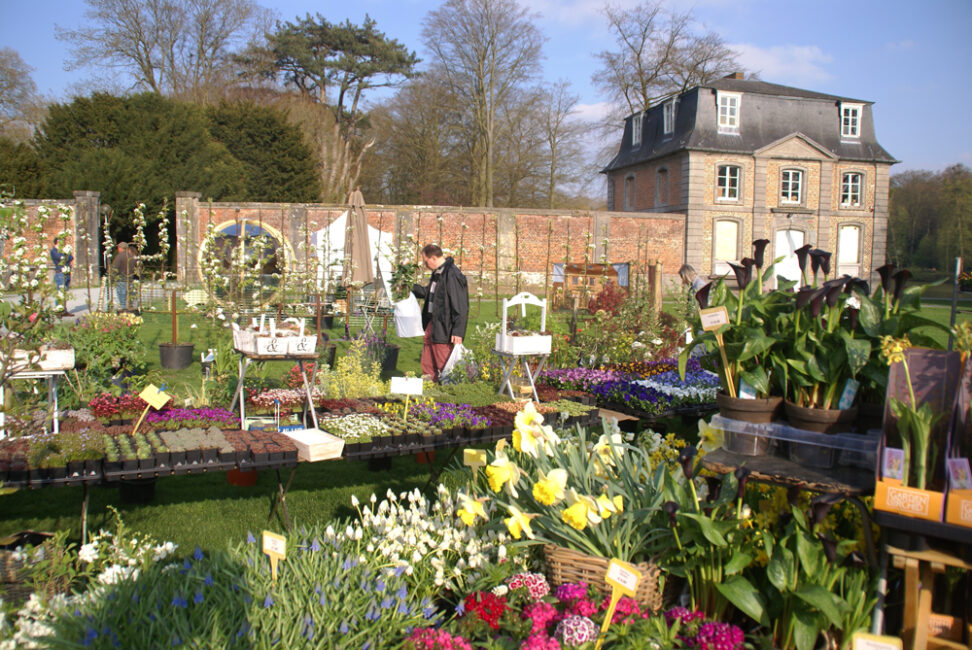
{"points": [[636, 130], [668, 117], [847, 191], [661, 181], [850, 121], [723, 191], [844, 265], [728, 106], [629, 192], [788, 177]]}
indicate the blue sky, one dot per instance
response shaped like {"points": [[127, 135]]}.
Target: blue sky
{"points": [[913, 60]]}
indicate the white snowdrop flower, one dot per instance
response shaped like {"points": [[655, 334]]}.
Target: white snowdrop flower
{"points": [[501, 590], [349, 532], [361, 559], [501, 552], [373, 497], [416, 556], [358, 534], [354, 501], [370, 547], [329, 531]]}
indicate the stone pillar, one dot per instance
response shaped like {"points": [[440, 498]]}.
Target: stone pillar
{"points": [[879, 218], [87, 237], [760, 213], [825, 236], [187, 237]]}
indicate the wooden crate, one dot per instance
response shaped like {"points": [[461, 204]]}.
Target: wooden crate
{"points": [[314, 445]]}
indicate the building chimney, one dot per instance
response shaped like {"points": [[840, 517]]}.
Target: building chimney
{"points": [[735, 75]]}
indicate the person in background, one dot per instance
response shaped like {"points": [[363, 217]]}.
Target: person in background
{"points": [[123, 268], [62, 259], [445, 311]]}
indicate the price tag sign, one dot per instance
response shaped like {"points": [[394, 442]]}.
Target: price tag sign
{"points": [[714, 317], [864, 641], [406, 385], [275, 546], [848, 394], [155, 397], [474, 458], [623, 579]]}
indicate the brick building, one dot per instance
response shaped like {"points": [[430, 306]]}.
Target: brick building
{"points": [[744, 160]]}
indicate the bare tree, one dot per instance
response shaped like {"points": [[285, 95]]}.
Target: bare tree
{"points": [[656, 54], [562, 136], [180, 48], [20, 107], [485, 49]]}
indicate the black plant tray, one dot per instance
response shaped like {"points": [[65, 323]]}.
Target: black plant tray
{"points": [[936, 530]]}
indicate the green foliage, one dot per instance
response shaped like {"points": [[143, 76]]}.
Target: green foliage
{"points": [[134, 149], [278, 164], [20, 171]]}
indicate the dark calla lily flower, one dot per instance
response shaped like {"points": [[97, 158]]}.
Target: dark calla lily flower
{"points": [[886, 272], [816, 301], [900, 278], [825, 262], [856, 284], [820, 261], [702, 296], [820, 507], [742, 477], [671, 508], [743, 271], [830, 548], [801, 254], [759, 251], [793, 495], [853, 315], [803, 297], [686, 456], [833, 293]]}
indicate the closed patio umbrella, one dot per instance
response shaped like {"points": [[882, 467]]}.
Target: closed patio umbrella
{"points": [[358, 266]]}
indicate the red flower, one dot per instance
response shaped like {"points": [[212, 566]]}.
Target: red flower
{"points": [[487, 606]]}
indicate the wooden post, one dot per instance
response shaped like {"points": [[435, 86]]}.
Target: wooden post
{"points": [[655, 284], [175, 321], [547, 267]]}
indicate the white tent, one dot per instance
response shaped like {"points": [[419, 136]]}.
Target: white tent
{"points": [[329, 244]]}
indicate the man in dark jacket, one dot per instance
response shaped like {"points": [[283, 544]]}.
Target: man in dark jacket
{"points": [[445, 312], [123, 269]]}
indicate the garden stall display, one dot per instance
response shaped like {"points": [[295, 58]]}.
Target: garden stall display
{"points": [[514, 347]]}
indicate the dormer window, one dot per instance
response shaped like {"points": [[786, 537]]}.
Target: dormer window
{"points": [[850, 120], [728, 105], [636, 130], [668, 116]]}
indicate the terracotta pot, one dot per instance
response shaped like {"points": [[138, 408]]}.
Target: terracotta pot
{"points": [[821, 420], [750, 410], [241, 478]]}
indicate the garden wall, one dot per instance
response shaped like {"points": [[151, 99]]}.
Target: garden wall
{"points": [[517, 246]]}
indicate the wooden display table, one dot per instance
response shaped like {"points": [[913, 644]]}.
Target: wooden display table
{"points": [[247, 358]]}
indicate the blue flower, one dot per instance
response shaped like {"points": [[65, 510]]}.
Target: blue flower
{"points": [[460, 609], [348, 564], [366, 646], [197, 554], [399, 571], [209, 580], [250, 539], [323, 600], [315, 545], [198, 597], [268, 601], [380, 585], [427, 612], [365, 587], [343, 628], [372, 614], [179, 601], [176, 641], [387, 602], [403, 608], [402, 592]]}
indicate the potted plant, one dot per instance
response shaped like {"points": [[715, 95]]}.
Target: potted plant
{"points": [[56, 355], [175, 355]]}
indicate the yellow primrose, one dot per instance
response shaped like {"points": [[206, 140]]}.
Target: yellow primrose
{"points": [[518, 523], [710, 438], [471, 508], [528, 417], [550, 488], [502, 472]]}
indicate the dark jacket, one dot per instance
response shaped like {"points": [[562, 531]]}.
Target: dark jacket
{"points": [[123, 265], [450, 303], [62, 261]]}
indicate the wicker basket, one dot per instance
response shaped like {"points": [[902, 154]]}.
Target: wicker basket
{"points": [[566, 566]]}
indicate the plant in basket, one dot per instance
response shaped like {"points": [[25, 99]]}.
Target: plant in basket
{"points": [[599, 500]]}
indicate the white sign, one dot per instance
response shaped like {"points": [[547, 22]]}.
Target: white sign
{"points": [[406, 385], [274, 545], [623, 576], [714, 318], [864, 641]]}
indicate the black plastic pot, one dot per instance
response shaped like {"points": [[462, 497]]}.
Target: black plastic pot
{"points": [[176, 355], [137, 490], [327, 354], [390, 362]]}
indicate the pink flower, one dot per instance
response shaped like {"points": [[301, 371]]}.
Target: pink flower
{"points": [[541, 615], [719, 636], [429, 638], [32, 317], [626, 610], [574, 631], [535, 584], [540, 642]]}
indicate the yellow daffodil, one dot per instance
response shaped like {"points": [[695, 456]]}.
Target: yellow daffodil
{"points": [[893, 349], [528, 417], [550, 488], [518, 523], [524, 440], [710, 438], [581, 511], [471, 508], [501, 446], [501, 472], [607, 506], [603, 448]]}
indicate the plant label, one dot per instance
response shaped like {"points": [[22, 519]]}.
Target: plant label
{"points": [[275, 546], [155, 397], [745, 390], [474, 458], [893, 463], [406, 385], [850, 391], [959, 477], [623, 578], [714, 317], [863, 641]]}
